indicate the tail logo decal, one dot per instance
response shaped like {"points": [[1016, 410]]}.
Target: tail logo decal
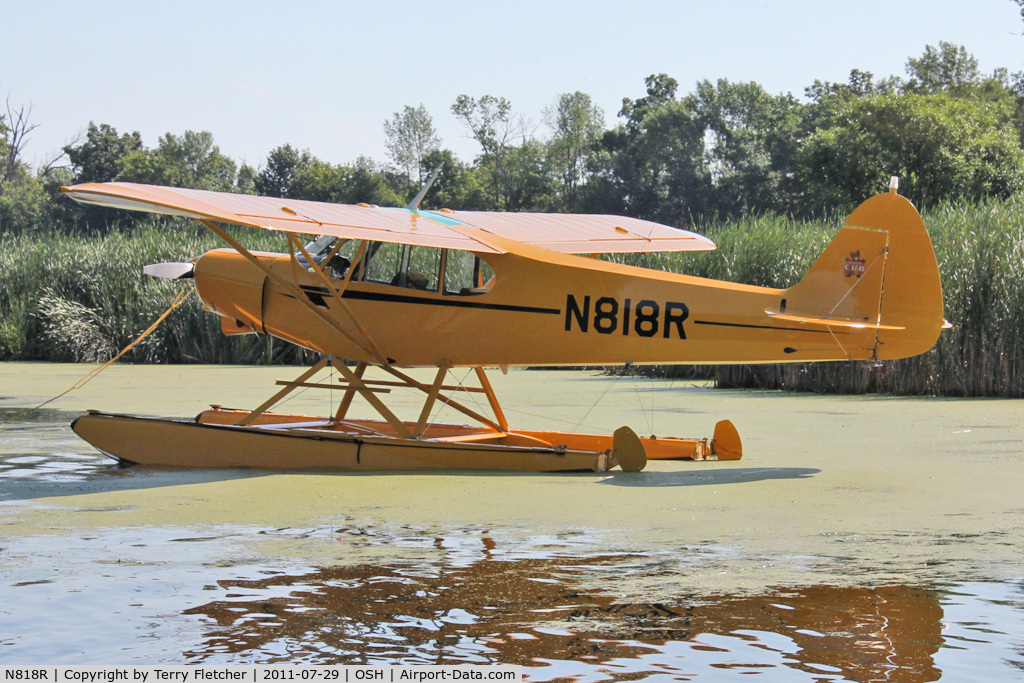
{"points": [[854, 265]]}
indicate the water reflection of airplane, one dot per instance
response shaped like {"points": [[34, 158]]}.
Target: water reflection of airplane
{"points": [[393, 288], [500, 611]]}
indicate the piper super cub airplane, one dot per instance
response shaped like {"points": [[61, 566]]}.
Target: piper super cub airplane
{"points": [[398, 288]]}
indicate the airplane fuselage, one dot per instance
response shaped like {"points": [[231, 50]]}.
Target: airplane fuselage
{"points": [[542, 309]]}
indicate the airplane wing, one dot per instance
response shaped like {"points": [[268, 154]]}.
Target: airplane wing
{"points": [[567, 233], [362, 222], [576, 233]]}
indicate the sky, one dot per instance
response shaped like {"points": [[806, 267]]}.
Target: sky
{"points": [[324, 76]]}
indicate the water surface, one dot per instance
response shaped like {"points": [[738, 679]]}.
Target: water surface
{"points": [[859, 540], [168, 595]]}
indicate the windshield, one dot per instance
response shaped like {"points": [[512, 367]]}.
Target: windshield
{"points": [[321, 245]]}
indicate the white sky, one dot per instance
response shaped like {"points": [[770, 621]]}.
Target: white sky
{"points": [[326, 75]]}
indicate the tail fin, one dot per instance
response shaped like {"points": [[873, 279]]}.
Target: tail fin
{"points": [[879, 273]]}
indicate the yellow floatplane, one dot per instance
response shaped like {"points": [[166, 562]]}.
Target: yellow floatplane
{"points": [[399, 288]]}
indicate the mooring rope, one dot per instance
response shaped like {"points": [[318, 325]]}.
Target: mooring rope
{"points": [[182, 296]]}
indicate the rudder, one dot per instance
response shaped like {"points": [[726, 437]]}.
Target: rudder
{"points": [[879, 273]]}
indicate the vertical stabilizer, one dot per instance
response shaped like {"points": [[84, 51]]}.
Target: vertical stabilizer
{"points": [[878, 273]]}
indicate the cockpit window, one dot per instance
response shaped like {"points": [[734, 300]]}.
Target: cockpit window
{"points": [[410, 266], [381, 261], [465, 274], [422, 268], [402, 265], [329, 254], [321, 246]]}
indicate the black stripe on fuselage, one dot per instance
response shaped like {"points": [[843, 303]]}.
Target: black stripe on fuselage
{"points": [[318, 296], [761, 327]]}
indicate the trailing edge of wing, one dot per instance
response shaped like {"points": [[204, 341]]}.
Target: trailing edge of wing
{"points": [[575, 233], [831, 322], [566, 233]]}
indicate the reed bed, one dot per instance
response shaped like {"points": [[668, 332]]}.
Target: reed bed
{"points": [[980, 251], [83, 299]]}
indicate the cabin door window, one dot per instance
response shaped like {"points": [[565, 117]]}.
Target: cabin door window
{"points": [[465, 274], [403, 265]]}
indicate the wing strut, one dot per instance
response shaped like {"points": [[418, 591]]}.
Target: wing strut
{"points": [[363, 341], [337, 292]]}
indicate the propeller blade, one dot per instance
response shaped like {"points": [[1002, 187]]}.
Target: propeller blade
{"points": [[171, 270]]}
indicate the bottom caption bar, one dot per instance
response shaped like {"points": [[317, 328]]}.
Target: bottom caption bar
{"points": [[201, 673]]}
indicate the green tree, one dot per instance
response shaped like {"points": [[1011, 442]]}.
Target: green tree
{"points": [[458, 185], [576, 124], [410, 137], [23, 200], [245, 182], [284, 164], [859, 84], [190, 160], [362, 182], [524, 182], [942, 147], [15, 126], [750, 145], [486, 119], [949, 68], [367, 182], [4, 133], [98, 158], [654, 165], [24, 204], [320, 181], [509, 152], [826, 97]]}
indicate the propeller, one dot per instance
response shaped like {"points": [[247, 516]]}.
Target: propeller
{"points": [[171, 270]]}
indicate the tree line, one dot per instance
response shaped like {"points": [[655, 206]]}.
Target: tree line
{"points": [[722, 150]]}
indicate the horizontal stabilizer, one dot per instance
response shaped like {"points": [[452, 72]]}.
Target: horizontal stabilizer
{"points": [[831, 322]]}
